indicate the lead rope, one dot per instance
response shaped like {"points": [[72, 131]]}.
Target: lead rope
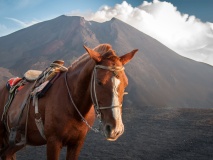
{"points": [[82, 118]]}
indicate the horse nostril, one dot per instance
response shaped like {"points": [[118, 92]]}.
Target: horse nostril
{"points": [[118, 133], [108, 128]]}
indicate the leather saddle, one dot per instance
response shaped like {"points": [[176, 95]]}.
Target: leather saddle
{"points": [[56, 66], [47, 77]]}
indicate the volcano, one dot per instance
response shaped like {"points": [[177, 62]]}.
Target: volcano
{"points": [[157, 75]]}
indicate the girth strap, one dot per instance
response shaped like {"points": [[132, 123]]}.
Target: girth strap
{"points": [[38, 119], [39, 92]]}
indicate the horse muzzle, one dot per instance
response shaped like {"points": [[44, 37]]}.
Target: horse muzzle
{"points": [[112, 133]]}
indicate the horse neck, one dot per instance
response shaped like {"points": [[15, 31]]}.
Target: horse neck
{"points": [[79, 81]]}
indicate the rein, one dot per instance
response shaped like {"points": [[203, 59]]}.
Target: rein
{"points": [[82, 117], [97, 108]]}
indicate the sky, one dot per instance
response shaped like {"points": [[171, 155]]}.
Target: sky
{"points": [[185, 26]]}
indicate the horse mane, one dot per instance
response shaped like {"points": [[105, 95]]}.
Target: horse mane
{"points": [[102, 49]]}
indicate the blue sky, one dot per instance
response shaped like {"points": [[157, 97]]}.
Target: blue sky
{"points": [[13, 12], [185, 26], [44, 9]]}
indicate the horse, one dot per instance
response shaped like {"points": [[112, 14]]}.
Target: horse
{"points": [[92, 86]]}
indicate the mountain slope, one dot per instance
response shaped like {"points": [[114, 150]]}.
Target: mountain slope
{"points": [[158, 76]]}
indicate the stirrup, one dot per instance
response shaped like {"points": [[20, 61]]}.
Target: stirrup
{"points": [[12, 136], [22, 142]]}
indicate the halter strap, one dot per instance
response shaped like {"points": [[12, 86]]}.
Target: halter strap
{"points": [[94, 100], [111, 68], [110, 107]]}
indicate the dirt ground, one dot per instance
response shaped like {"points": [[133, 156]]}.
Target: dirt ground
{"points": [[151, 133]]}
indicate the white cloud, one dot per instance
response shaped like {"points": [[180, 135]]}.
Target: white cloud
{"points": [[5, 30], [183, 33], [22, 23], [211, 25]]}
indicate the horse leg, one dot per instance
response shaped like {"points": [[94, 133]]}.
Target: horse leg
{"points": [[73, 150], [13, 157], [9, 153], [53, 148], [1, 138]]}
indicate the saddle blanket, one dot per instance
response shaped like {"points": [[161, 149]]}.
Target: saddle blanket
{"points": [[13, 82]]}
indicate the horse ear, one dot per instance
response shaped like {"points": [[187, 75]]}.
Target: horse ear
{"points": [[93, 54], [127, 57]]}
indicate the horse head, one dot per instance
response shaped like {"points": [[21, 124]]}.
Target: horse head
{"points": [[108, 85]]}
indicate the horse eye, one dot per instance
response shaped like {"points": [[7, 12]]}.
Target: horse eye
{"points": [[99, 83]]}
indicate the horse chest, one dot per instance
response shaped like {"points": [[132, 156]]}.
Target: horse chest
{"points": [[73, 133]]}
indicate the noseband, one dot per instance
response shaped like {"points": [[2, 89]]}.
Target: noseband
{"points": [[115, 70]]}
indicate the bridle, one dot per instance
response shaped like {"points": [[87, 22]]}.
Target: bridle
{"points": [[97, 107]]}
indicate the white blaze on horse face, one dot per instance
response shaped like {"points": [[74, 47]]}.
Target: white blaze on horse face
{"points": [[115, 100]]}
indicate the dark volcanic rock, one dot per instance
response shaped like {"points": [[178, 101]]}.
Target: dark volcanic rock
{"points": [[151, 133]]}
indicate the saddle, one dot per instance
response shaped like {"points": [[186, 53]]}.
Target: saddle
{"points": [[55, 67], [32, 75], [42, 81]]}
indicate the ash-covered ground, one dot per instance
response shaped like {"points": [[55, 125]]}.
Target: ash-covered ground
{"points": [[151, 133]]}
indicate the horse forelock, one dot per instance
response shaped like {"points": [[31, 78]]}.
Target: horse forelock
{"points": [[102, 49]]}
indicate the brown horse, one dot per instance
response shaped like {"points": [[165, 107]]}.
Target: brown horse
{"points": [[94, 79]]}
